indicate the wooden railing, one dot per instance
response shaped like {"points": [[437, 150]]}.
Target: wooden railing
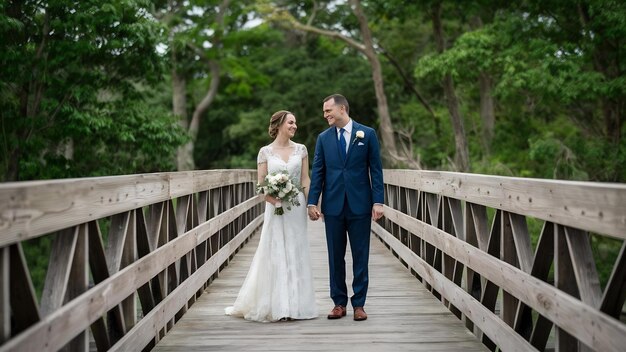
{"points": [[128, 254], [466, 237]]}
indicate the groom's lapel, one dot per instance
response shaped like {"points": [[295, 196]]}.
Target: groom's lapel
{"points": [[334, 143], [355, 127]]}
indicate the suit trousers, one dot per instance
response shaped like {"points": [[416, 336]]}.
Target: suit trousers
{"points": [[358, 229]]}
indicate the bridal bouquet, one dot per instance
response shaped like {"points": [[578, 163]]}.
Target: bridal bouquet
{"points": [[279, 185]]}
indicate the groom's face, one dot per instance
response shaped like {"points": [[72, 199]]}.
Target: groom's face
{"points": [[333, 113]]}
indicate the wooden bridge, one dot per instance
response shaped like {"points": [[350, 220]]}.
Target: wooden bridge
{"points": [[459, 262]]}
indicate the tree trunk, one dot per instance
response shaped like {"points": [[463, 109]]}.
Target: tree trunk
{"points": [[609, 67], [14, 156], [204, 104], [184, 157], [611, 111], [612, 120], [462, 150], [408, 83], [13, 166], [386, 127], [185, 152], [31, 95], [486, 98]]}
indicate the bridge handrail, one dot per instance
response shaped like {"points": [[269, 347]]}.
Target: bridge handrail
{"points": [[592, 206], [32, 208], [492, 278], [167, 235]]}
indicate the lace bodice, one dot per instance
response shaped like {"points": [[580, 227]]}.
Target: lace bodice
{"points": [[276, 163]]}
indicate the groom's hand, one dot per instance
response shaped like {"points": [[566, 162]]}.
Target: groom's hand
{"points": [[377, 212], [314, 213]]}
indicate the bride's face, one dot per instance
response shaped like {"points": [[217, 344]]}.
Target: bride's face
{"points": [[289, 127]]}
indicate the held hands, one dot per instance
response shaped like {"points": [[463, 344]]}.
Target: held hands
{"points": [[314, 213], [377, 212]]}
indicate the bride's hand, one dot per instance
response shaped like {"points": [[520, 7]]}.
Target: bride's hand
{"points": [[273, 201]]}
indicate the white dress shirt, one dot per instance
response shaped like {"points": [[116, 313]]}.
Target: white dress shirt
{"points": [[347, 133]]}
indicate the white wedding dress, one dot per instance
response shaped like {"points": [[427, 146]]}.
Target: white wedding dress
{"points": [[279, 283]]}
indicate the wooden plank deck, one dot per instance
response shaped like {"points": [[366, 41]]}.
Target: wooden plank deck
{"points": [[403, 315]]}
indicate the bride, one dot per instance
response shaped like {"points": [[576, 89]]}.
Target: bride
{"points": [[279, 284]]}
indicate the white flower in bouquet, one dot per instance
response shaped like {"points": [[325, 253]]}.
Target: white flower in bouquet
{"points": [[280, 186]]}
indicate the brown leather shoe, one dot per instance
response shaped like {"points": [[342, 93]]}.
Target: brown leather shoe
{"points": [[337, 312], [359, 314]]}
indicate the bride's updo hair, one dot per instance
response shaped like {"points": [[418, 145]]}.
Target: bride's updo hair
{"points": [[277, 119]]}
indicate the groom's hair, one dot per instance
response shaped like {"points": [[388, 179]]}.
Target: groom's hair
{"points": [[339, 100]]}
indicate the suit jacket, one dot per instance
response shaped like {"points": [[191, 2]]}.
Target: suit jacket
{"points": [[359, 178]]}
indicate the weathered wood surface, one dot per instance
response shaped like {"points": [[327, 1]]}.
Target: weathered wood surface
{"points": [[593, 206], [128, 254], [30, 209], [566, 311], [403, 315], [448, 226], [73, 317]]}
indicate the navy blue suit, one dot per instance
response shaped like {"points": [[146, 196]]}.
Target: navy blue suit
{"points": [[350, 188]]}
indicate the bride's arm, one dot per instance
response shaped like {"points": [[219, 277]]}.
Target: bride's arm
{"points": [[305, 180], [261, 170]]}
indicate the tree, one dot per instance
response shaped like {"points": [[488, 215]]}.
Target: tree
{"points": [[487, 105], [275, 68], [71, 88], [196, 31], [367, 48], [462, 152], [555, 65], [594, 31]]}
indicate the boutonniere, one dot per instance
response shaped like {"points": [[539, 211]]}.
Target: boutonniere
{"points": [[358, 135]]}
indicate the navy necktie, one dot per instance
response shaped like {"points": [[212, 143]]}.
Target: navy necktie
{"points": [[342, 143]]}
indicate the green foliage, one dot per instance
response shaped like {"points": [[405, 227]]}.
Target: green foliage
{"points": [[37, 254], [605, 251], [70, 80], [554, 80], [279, 73], [473, 52]]}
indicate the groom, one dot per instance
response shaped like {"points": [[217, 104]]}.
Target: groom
{"points": [[348, 171]]}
